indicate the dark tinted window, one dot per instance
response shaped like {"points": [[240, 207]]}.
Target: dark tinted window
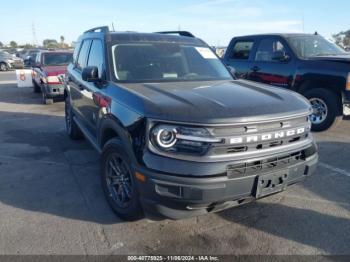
{"points": [[57, 59], [166, 62], [96, 56], [83, 54], [267, 48], [242, 50]]}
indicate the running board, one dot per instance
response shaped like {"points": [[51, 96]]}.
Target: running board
{"points": [[87, 135]]}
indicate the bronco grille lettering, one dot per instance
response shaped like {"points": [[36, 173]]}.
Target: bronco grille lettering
{"points": [[267, 136]]}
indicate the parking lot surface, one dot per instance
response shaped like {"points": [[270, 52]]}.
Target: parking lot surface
{"points": [[51, 201]]}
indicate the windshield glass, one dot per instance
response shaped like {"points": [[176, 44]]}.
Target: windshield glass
{"points": [[145, 62], [313, 45], [57, 59]]}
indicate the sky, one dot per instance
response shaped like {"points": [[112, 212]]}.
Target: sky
{"points": [[215, 21]]}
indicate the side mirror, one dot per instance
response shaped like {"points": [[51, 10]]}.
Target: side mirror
{"points": [[280, 56], [90, 74]]}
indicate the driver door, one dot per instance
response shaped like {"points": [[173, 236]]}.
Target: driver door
{"points": [[268, 67]]}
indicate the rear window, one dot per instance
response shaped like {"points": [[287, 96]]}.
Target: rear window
{"points": [[242, 49], [57, 59]]}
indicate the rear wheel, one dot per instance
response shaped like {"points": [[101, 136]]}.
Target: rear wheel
{"points": [[326, 109], [118, 182], [3, 67], [72, 129]]}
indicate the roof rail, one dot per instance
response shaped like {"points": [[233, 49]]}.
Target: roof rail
{"points": [[180, 33], [102, 29]]}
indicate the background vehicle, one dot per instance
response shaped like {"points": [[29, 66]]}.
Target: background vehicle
{"points": [[7, 61], [29, 56], [178, 136], [308, 64], [48, 73]]}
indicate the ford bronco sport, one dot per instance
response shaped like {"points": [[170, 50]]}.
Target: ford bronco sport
{"points": [[177, 134]]}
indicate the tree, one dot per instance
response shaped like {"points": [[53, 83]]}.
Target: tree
{"points": [[1, 45], [13, 44], [342, 39], [50, 43]]}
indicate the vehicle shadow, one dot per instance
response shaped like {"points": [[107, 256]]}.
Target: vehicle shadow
{"points": [[327, 183], [326, 188], [11, 94], [42, 170], [322, 231]]}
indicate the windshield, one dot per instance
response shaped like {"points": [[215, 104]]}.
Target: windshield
{"points": [[313, 45], [145, 62], [57, 59]]}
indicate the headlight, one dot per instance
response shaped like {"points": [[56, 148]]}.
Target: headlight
{"points": [[166, 137], [10, 61], [348, 83], [182, 140]]}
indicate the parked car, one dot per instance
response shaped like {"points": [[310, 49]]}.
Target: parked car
{"points": [[177, 134], [29, 56], [48, 74], [8, 62], [305, 63]]}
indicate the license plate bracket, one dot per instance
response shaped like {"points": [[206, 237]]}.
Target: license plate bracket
{"points": [[271, 183]]}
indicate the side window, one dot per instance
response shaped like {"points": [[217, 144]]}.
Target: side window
{"points": [[267, 50], [37, 59], [242, 49], [76, 51], [96, 56], [83, 54]]}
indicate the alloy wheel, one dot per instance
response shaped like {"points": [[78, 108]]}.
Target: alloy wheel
{"points": [[320, 111], [119, 181]]}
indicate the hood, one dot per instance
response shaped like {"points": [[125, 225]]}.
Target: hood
{"points": [[218, 102], [333, 58], [55, 70]]}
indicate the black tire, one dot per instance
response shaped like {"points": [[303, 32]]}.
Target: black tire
{"points": [[72, 129], [3, 67], [36, 87], [46, 100], [331, 103], [130, 209]]}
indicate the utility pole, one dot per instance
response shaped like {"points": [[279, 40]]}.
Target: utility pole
{"points": [[35, 41]]}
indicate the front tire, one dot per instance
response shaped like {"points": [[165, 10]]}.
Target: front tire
{"points": [[72, 129], [3, 67], [326, 109], [118, 182]]}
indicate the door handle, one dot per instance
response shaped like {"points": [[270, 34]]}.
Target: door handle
{"points": [[81, 87], [255, 68]]}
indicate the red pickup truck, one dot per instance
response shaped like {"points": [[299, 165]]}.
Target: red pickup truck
{"points": [[48, 73]]}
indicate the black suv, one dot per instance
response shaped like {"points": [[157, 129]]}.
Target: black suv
{"points": [[305, 63], [178, 135]]}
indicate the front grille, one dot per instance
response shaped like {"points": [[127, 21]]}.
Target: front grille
{"points": [[265, 165], [244, 131]]}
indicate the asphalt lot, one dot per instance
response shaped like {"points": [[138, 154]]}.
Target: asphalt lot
{"points": [[51, 201]]}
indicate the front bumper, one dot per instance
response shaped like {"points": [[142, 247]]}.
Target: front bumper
{"points": [[164, 195], [17, 65], [52, 91], [346, 98]]}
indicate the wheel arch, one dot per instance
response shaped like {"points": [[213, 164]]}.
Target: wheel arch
{"points": [[312, 85], [111, 128]]}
